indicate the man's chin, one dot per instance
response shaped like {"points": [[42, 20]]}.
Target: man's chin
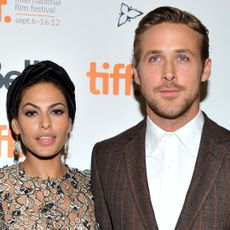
{"points": [[170, 114]]}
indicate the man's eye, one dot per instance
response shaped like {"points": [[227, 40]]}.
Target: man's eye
{"points": [[155, 58], [183, 58]]}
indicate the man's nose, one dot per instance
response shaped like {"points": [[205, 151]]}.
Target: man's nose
{"points": [[169, 71]]}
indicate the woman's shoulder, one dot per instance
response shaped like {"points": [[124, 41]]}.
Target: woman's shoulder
{"points": [[8, 180], [82, 176], [8, 171]]}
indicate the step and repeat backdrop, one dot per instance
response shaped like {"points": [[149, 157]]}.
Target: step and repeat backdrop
{"points": [[93, 41]]}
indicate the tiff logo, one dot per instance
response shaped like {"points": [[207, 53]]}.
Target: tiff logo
{"points": [[7, 18], [119, 72], [5, 136]]}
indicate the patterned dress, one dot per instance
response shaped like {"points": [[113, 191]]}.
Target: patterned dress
{"points": [[45, 204]]}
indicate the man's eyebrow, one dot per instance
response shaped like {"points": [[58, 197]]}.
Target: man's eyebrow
{"points": [[152, 52], [185, 51]]}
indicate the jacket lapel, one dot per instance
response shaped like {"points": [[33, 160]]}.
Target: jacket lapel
{"points": [[136, 168], [209, 161]]}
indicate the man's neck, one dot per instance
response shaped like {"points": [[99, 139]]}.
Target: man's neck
{"points": [[171, 125]]}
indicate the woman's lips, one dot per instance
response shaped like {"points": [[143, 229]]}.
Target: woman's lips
{"points": [[46, 140]]}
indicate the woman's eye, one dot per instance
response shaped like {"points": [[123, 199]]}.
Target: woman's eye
{"points": [[57, 112], [30, 113]]}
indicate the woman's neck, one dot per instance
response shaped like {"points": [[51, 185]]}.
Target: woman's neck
{"points": [[43, 169]]}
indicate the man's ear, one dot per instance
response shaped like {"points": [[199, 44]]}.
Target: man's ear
{"points": [[207, 70], [15, 126], [136, 75]]}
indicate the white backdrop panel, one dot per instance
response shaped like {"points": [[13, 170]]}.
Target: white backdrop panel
{"points": [[77, 33]]}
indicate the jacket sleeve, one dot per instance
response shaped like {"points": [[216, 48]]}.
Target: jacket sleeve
{"points": [[101, 209]]}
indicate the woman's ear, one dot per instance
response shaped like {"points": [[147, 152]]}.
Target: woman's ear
{"points": [[15, 126], [70, 126]]}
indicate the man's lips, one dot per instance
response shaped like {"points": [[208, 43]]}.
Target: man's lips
{"points": [[45, 140], [169, 92]]}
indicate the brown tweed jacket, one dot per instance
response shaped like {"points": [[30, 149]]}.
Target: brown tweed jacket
{"points": [[121, 193]]}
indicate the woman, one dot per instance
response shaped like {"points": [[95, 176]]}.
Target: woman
{"points": [[42, 192]]}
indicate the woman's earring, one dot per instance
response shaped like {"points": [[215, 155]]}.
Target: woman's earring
{"points": [[17, 149], [66, 149]]}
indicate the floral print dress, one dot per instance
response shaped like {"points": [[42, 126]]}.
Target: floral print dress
{"points": [[33, 203]]}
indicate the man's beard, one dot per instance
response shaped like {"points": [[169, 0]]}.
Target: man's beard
{"points": [[161, 110]]}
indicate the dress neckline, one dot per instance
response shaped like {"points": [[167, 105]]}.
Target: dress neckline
{"points": [[24, 176]]}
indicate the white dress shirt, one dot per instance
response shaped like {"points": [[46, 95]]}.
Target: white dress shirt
{"points": [[170, 161]]}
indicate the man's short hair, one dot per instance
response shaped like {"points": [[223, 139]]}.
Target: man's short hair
{"points": [[170, 15]]}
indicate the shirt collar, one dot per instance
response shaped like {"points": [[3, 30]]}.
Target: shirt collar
{"points": [[189, 134]]}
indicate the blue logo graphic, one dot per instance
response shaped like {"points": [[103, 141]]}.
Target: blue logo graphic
{"points": [[127, 13]]}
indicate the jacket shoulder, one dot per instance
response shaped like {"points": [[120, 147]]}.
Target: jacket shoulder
{"points": [[214, 130], [122, 138]]}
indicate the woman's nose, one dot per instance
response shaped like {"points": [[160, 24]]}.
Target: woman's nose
{"points": [[45, 122]]}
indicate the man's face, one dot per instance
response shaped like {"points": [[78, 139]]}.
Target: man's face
{"points": [[170, 70]]}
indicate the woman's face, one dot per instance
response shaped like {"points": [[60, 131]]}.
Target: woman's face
{"points": [[43, 122]]}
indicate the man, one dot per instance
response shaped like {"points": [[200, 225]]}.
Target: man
{"points": [[172, 170]]}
